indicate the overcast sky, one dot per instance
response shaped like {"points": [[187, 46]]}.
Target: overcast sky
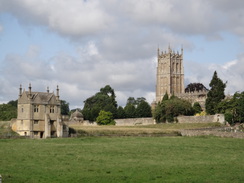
{"points": [[83, 45]]}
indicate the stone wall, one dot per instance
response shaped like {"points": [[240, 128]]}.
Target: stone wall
{"points": [[150, 121], [134, 121], [84, 123], [213, 132], [202, 119]]}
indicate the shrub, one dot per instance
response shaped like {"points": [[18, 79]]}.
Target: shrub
{"points": [[229, 118], [105, 118]]}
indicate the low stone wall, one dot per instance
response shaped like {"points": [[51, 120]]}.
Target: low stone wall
{"points": [[84, 123], [202, 119], [134, 121], [216, 132]]}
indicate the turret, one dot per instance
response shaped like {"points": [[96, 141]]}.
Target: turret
{"points": [[169, 49]]}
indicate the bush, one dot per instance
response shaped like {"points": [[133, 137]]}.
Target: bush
{"points": [[167, 110], [229, 118], [105, 118], [197, 108]]}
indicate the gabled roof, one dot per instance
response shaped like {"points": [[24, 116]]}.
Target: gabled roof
{"points": [[45, 97], [39, 97]]}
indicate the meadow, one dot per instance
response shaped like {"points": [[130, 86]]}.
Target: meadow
{"points": [[122, 159]]}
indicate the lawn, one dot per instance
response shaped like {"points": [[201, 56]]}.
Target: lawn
{"points": [[122, 159]]}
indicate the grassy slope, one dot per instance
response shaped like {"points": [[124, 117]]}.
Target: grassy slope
{"points": [[122, 159], [6, 131], [153, 130]]}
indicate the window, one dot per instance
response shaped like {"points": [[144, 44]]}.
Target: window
{"points": [[35, 133], [51, 109], [22, 109], [35, 122], [177, 67], [36, 108]]}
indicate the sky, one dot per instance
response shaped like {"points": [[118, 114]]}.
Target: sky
{"points": [[84, 45]]}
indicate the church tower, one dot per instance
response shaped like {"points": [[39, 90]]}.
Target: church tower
{"points": [[170, 74]]}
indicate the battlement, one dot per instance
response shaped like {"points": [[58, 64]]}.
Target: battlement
{"points": [[170, 53]]}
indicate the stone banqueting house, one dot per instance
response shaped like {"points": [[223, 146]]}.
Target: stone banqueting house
{"points": [[170, 79], [39, 114]]}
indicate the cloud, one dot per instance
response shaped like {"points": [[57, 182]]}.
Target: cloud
{"points": [[115, 42], [81, 18], [73, 18], [78, 77], [231, 72]]}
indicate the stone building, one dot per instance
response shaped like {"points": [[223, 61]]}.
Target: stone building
{"points": [[39, 114], [170, 74], [170, 78], [76, 117]]}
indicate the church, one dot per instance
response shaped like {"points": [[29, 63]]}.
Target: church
{"points": [[170, 79]]}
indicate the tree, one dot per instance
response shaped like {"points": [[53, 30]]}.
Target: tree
{"points": [[143, 110], [159, 112], [167, 110], [197, 107], [229, 107], [166, 96], [121, 113], [131, 100], [7, 112], [107, 90], [64, 107], [215, 94], [13, 103], [103, 100], [105, 118], [140, 100], [130, 111], [240, 108]]}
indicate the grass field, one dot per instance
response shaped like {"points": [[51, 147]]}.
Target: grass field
{"points": [[122, 159]]}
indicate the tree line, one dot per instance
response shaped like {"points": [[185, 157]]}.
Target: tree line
{"points": [[105, 101], [104, 104]]}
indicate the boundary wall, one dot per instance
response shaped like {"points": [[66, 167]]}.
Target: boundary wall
{"points": [[202, 119], [134, 121]]}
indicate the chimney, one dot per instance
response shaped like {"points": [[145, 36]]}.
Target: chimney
{"points": [[47, 89], [57, 95], [20, 90], [29, 90]]}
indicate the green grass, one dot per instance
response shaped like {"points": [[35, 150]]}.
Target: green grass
{"points": [[122, 159]]}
